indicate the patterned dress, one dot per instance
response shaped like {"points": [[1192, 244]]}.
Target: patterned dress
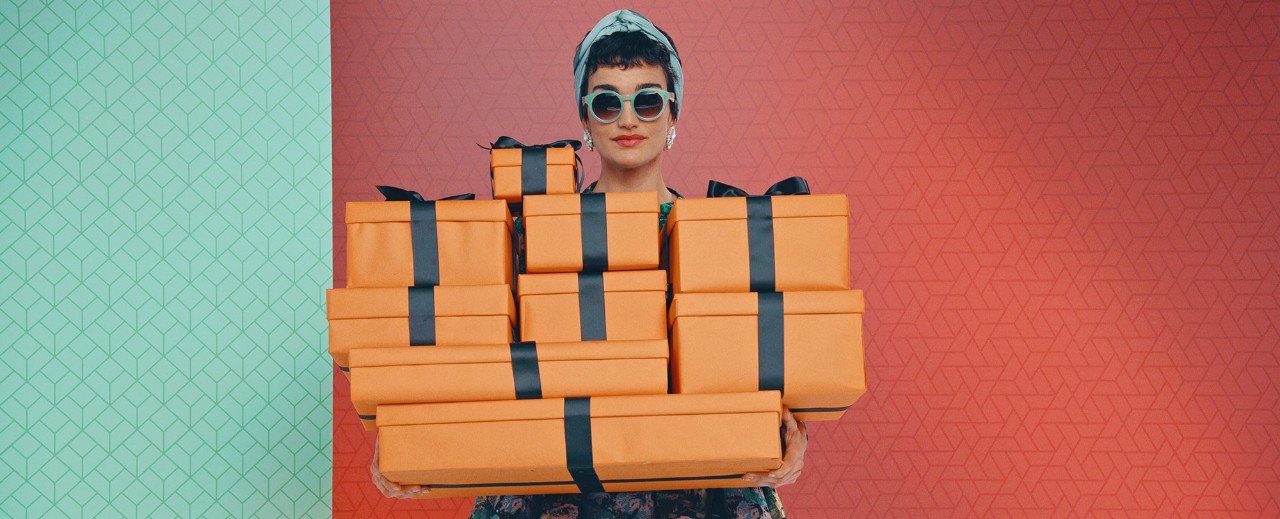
{"points": [[710, 503]]}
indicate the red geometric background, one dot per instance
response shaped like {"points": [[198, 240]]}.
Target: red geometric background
{"points": [[1066, 218]]}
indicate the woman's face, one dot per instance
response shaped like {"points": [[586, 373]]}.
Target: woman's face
{"points": [[629, 142]]}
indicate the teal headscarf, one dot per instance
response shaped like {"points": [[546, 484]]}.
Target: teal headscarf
{"points": [[625, 20]]}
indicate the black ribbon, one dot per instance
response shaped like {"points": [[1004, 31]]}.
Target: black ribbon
{"points": [[789, 186], [422, 226], [591, 306], [577, 445], [770, 341], [760, 226], [524, 368], [422, 316], [595, 232], [533, 163]]}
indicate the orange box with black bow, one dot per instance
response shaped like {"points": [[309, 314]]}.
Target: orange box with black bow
{"points": [[513, 371], [759, 244], [808, 345], [558, 445], [421, 243]]}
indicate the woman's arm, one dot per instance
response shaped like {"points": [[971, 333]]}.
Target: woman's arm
{"points": [[792, 460], [390, 488]]}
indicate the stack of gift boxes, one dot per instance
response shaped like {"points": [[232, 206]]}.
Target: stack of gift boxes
{"points": [[585, 393]]}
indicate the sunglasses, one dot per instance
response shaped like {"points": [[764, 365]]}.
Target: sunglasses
{"points": [[648, 103]]}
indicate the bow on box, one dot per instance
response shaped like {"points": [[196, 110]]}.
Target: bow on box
{"points": [[790, 186], [395, 194]]}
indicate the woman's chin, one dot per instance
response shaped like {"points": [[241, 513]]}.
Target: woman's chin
{"points": [[631, 158]]}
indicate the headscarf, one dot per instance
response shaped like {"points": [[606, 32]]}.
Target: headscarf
{"points": [[626, 20]]}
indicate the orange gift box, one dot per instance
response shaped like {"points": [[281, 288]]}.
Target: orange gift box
{"points": [[806, 344], [445, 242], [608, 443], [362, 318], [591, 232], [505, 372], [759, 244], [593, 306], [533, 171]]}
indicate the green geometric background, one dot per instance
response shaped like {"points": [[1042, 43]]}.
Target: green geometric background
{"points": [[165, 242]]}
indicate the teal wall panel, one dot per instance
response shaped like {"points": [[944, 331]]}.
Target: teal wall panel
{"points": [[165, 242]]}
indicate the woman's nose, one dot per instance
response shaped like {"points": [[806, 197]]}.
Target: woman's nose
{"points": [[628, 118]]}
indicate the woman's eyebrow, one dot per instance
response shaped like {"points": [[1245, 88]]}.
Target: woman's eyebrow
{"points": [[615, 89]]}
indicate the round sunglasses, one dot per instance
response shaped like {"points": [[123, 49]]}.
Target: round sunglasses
{"points": [[648, 103]]}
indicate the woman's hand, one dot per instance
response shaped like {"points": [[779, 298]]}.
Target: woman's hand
{"points": [[389, 488], [792, 460]]}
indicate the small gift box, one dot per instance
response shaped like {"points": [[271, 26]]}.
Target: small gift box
{"points": [[407, 241], [599, 444], [738, 243], [417, 316], [591, 232], [808, 345], [513, 371], [539, 169], [593, 306]]}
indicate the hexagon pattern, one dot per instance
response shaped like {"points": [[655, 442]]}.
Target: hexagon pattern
{"points": [[1066, 216], [165, 241]]}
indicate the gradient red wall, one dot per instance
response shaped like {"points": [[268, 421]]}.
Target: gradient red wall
{"points": [[1064, 217]]}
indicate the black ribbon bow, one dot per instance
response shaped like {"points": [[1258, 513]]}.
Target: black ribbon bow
{"points": [[790, 186], [508, 142], [395, 194]]}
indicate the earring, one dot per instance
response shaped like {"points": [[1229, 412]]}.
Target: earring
{"points": [[671, 136], [586, 136]]}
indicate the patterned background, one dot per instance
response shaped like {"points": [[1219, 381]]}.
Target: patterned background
{"points": [[164, 246], [1065, 215]]}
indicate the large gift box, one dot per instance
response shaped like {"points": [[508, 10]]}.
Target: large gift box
{"points": [[759, 244], [558, 445], [540, 169], [591, 232], [808, 345], [417, 316], [421, 243], [513, 371], [593, 306]]}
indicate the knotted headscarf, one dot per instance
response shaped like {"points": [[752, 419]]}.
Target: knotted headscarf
{"points": [[625, 20]]}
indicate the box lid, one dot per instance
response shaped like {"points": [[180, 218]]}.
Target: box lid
{"points": [[601, 407], [619, 281], [501, 353], [615, 203], [511, 157], [735, 208], [747, 303], [450, 301], [446, 211]]}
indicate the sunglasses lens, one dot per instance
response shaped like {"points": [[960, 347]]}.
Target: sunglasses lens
{"points": [[606, 107], [648, 105]]}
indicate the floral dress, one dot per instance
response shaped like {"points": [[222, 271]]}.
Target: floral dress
{"points": [[709, 503]]}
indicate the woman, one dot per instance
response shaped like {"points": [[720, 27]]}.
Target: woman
{"points": [[629, 84]]}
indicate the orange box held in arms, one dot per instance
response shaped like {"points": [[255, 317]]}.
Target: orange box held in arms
{"points": [[759, 244], [808, 345], [421, 243], [591, 232], [608, 443], [541, 169], [593, 306], [362, 318], [513, 371]]}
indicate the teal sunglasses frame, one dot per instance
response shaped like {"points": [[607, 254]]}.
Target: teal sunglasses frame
{"points": [[667, 98]]}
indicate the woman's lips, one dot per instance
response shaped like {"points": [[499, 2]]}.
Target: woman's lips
{"points": [[628, 141]]}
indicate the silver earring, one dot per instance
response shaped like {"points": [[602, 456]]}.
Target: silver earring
{"points": [[586, 136], [671, 136]]}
